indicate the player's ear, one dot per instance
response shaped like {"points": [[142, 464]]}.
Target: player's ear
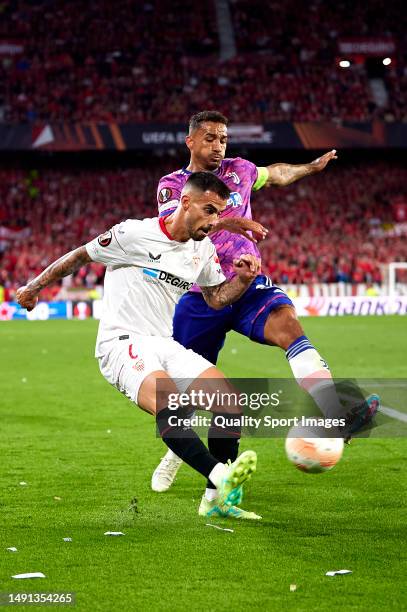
{"points": [[189, 142], [185, 201]]}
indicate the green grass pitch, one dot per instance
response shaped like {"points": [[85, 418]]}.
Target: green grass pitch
{"points": [[56, 410]]}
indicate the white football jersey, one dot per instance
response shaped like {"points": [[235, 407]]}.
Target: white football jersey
{"points": [[147, 273]]}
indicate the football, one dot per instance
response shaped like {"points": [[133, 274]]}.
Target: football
{"points": [[311, 454]]}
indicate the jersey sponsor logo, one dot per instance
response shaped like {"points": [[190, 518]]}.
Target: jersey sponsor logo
{"points": [[105, 239], [168, 278], [196, 259], [235, 178], [164, 195], [235, 200], [154, 258]]}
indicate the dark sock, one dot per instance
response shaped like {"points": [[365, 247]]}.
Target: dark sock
{"points": [[223, 444], [185, 443]]}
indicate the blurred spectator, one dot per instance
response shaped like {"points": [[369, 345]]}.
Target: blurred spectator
{"points": [[332, 227], [158, 61]]}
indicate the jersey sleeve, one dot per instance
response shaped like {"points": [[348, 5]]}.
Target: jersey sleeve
{"points": [[211, 273], [168, 196], [117, 245]]}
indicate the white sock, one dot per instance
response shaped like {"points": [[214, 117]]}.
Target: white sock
{"points": [[211, 494], [217, 474], [313, 375]]}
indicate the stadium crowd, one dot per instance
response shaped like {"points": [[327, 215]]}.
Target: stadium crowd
{"points": [[158, 61], [323, 229]]}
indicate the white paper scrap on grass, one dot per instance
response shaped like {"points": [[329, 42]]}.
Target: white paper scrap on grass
{"points": [[67, 539], [114, 533], [12, 549], [30, 575], [220, 528], [338, 572]]}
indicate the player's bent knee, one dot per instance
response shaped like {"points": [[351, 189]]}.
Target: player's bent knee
{"points": [[155, 392], [282, 327]]}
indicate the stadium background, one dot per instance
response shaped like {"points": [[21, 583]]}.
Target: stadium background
{"points": [[94, 103]]}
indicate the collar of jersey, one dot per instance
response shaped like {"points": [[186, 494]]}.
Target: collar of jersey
{"points": [[164, 229], [185, 171]]}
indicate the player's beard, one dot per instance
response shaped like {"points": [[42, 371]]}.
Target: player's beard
{"points": [[197, 234], [210, 165]]}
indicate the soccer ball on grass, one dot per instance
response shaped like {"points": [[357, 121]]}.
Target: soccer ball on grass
{"points": [[310, 453]]}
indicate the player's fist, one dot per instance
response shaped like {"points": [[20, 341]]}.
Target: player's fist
{"points": [[247, 267], [26, 297], [320, 163]]}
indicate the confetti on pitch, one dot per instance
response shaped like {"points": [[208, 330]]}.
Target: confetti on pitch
{"points": [[293, 587], [108, 431], [12, 549], [57, 498], [114, 533], [338, 572], [220, 528], [23, 484], [67, 539], [29, 575]]}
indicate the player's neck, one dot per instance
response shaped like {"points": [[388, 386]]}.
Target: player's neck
{"points": [[196, 166], [176, 228]]}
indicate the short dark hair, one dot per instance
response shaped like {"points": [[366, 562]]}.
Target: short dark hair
{"points": [[207, 115], [207, 181]]}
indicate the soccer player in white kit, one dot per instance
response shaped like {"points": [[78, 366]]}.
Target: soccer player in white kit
{"points": [[151, 263]]}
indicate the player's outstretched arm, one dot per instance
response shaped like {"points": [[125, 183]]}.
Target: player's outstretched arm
{"points": [[241, 225], [281, 175], [27, 296], [247, 267]]}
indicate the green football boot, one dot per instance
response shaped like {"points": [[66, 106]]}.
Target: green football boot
{"points": [[215, 508]]}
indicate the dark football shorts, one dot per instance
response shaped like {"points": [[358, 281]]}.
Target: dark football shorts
{"points": [[203, 329]]}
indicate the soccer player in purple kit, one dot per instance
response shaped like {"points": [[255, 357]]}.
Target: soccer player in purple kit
{"points": [[265, 314]]}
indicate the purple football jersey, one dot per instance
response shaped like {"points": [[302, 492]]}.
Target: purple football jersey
{"points": [[240, 176]]}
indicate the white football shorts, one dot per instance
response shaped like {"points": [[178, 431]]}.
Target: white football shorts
{"points": [[129, 360]]}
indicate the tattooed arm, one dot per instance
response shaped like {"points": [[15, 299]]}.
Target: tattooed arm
{"points": [[247, 267], [27, 296], [284, 174]]}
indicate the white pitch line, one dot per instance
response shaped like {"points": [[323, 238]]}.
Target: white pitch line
{"points": [[394, 414]]}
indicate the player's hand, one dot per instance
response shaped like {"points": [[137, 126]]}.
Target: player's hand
{"points": [[26, 297], [320, 163], [259, 232], [242, 226], [247, 267]]}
